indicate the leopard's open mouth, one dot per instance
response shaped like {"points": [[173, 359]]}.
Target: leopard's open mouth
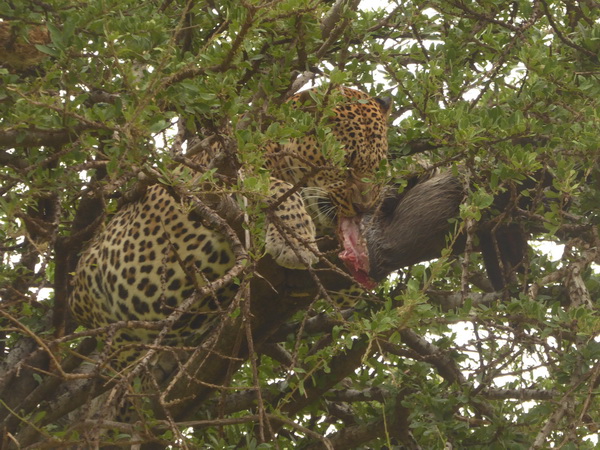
{"points": [[355, 254]]}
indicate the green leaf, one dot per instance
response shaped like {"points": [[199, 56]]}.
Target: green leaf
{"points": [[159, 126]]}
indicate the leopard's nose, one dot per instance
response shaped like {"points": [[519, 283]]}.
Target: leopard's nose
{"points": [[363, 198], [360, 208], [362, 195]]}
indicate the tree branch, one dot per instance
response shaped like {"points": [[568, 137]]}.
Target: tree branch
{"points": [[23, 137]]}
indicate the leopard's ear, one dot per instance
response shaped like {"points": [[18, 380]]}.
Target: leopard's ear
{"points": [[385, 103]]}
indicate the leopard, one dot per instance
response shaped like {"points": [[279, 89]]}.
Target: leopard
{"points": [[154, 253]]}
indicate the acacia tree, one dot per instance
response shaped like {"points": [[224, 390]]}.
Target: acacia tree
{"points": [[99, 99]]}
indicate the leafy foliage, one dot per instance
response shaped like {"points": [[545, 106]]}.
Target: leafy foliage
{"points": [[434, 358]]}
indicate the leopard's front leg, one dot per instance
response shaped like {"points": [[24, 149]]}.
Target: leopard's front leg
{"points": [[291, 231]]}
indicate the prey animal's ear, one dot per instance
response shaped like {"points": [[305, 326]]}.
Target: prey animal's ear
{"points": [[385, 103]]}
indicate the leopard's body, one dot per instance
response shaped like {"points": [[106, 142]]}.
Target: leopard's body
{"points": [[155, 252]]}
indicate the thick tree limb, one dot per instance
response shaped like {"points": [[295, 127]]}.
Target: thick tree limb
{"points": [[331, 21], [520, 394], [22, 137]]}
